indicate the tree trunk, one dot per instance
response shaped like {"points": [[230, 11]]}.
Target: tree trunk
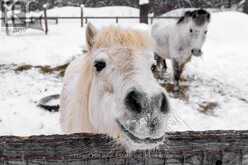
{"points": [[179, 148]]}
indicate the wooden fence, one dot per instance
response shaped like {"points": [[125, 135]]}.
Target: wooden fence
{"points": [[143, 18], [179, 148], [85, 19]]}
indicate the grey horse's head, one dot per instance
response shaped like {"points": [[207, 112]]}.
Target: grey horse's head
{"points": [[195, 27]]}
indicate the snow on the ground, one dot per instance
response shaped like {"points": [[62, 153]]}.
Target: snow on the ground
{"points": [[102, 11], [63, 41], [36, 48], [142, 2], [219, 77], [113, 11], [20, 92]]}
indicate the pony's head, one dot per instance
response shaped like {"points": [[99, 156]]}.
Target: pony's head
{"points": [[125, 100], [194, 25]]}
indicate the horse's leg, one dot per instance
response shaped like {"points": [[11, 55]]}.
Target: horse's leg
{"points": [[164, 65], [158, 60], [161, 65], [157, 68], [178, 69]]}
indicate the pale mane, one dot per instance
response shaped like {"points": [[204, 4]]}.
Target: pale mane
{"points": [[76, 119], [112, 35]]}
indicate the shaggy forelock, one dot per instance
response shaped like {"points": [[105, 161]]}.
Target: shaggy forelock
{"points": [[115, 36]]}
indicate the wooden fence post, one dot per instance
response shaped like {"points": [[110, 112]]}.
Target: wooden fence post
{"points": [[7, 27], [45, 18], [152, 19], [245, 9], [229, 3], [144, 11], [2, 11], [6, 20], [82, 15]]}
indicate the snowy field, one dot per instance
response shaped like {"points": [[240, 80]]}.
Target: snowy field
{"points": [[216, 90]]}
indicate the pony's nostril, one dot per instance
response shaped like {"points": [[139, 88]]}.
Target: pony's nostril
{"points": [[154, 124], [133, 101], [164, 106], [196, 52]]}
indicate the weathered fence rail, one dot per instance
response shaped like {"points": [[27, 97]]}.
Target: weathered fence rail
{"points": [[100, 17], [85, 19], [179, 148]]}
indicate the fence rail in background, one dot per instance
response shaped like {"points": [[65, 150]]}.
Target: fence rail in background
{"points": [[84, 20], [180, 148], [102, 17], [157, 7], [116, 18], [143, 17]]}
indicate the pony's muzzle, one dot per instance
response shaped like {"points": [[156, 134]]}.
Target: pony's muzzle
{"points": [[196, 52], [138, 102]]}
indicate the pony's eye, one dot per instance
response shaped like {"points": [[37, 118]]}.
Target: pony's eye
{"points": [[190, 30], [99, 65], [206, 32], [153, 67]]}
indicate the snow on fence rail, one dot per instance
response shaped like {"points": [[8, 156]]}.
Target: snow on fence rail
{"points": [[179, 148]]}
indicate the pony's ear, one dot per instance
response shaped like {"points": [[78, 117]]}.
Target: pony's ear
{"points": [[90, 35], [180, 20], [185, 17], [188, 13]]}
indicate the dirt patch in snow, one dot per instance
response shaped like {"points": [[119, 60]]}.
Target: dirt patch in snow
{"points": [[60, 70]]}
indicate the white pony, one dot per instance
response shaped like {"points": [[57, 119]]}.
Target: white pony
{"points": [[111, 90], [179, 39]]}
